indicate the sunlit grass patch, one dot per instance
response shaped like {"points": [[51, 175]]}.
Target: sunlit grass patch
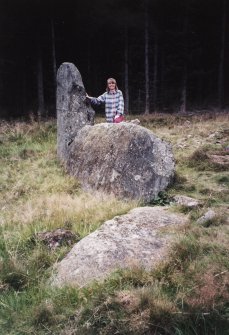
{"points": [[21, 165], [82, 212], [19, 136]]}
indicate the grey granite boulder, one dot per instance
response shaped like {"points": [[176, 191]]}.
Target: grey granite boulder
{"points": [[125, 159], [187, 201], [73, 111], [207, 217], [139, 238]]}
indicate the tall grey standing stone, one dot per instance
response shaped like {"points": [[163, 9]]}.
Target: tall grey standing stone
{"points": [[73, 112]]}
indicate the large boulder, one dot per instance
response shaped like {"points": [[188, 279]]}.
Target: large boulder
{"points": [[125, 159], [138, 238], [73, 111]]}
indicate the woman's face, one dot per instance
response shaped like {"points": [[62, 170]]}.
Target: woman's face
{"points": [[111, 85]]}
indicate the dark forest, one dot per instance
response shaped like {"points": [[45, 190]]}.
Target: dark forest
{"points": [[166, 55]]}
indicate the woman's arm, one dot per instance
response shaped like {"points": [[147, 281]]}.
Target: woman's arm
{"points": [[97, 101]]}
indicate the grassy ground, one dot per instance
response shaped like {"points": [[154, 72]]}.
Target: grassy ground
{"points": [[186, 294]]}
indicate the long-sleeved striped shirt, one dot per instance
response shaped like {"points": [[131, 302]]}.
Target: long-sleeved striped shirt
{"points": [[114, 103]]}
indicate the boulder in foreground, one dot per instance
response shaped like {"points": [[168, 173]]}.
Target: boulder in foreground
{"points": [[125, 159], [134, 239]]}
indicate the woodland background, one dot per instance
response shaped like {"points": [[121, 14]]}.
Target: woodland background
{"points": [[167, 55]]}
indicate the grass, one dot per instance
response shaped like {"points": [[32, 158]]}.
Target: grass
{"points": [[187, 293]]}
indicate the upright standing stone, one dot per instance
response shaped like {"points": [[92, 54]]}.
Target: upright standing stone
{"points": [[73, 112]]}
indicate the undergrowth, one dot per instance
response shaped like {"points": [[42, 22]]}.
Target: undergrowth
{"points": [[185, 294]]}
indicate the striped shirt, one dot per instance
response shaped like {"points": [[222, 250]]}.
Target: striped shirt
{"points": [[114, 104]]}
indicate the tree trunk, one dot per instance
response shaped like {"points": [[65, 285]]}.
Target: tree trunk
{"points": [[155, 71], [146, 58], [53, 52], [221, 59], [126, 58], [162, 79], [40, 87], [89, 58], [23, 93], [183, 106]]}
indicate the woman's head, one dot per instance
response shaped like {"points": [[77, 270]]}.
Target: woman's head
{"points": [[111, 84]]}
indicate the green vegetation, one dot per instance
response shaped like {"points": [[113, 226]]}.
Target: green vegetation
{"points": [[162, 199], [186, 294]]}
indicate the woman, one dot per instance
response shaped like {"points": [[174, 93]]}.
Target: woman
{"points": [[113, 100]]}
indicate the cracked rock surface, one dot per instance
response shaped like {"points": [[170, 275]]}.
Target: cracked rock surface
{"points": [[138, 238], [124, 159]]}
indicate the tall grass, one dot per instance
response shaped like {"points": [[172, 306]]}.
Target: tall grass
{"points": [[186, 294]]}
